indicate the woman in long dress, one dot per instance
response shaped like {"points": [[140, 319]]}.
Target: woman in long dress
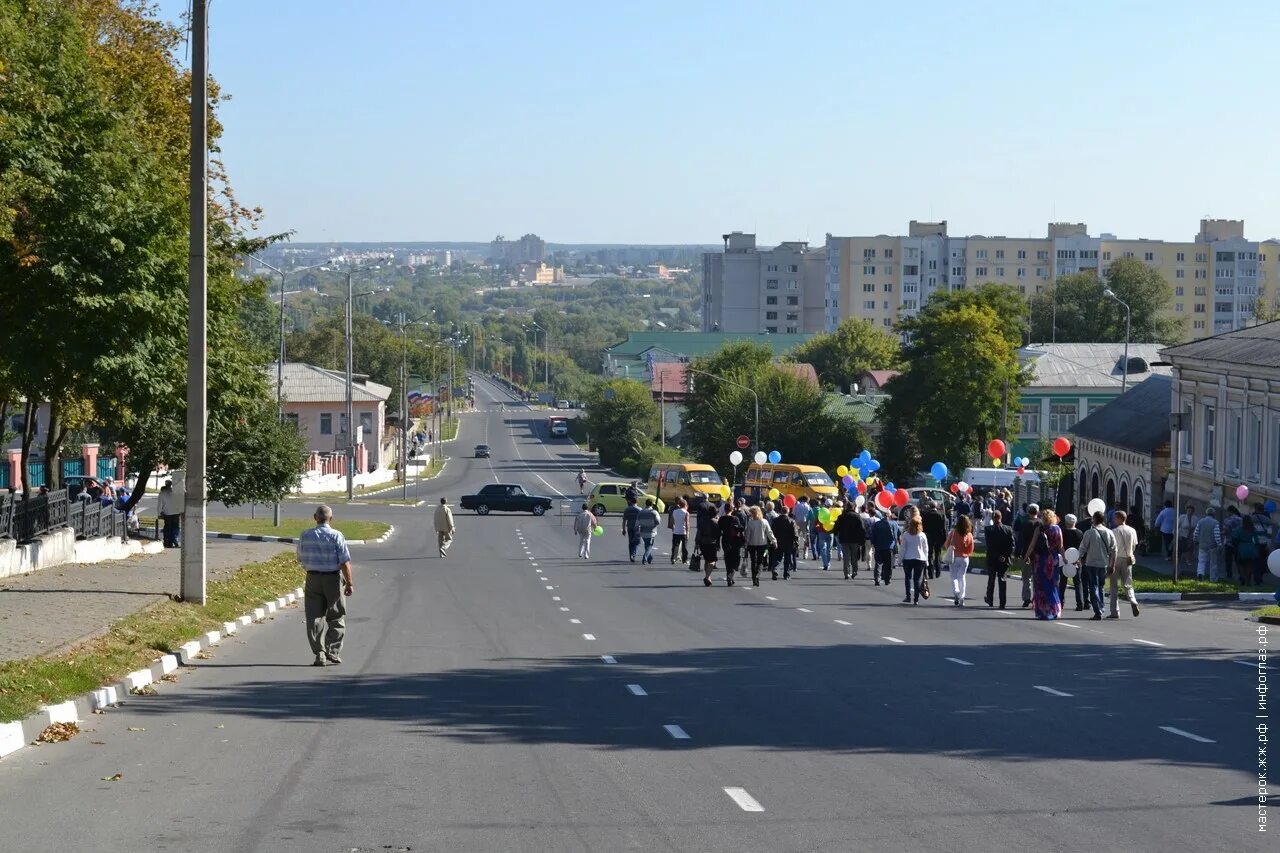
{"points": [[1042, 558]]}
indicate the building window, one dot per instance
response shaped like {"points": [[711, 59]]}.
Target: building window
{"points": [[792, 330], [1128, 254], [868, 287], [771, 268], [979, 270], [1022, 272], [981, 254], [888, 322], [1177, 308], [1042, 255], [1186, 434], [869, 305], [793, 268], [1199, 324], [909, 304], [999, 272], [793, 300], [911, 269], [1275, 450], [1182, 256], [1178, 291], [958, 272], [1042, 272], [792, 284], [1106, 256], [1200, 308], [771, 315], [366, 424], [1202, 257], [933, 265], [888, 287], [771, 300], [793, 316], [1022, 254], [1180, 274], [1253, 447], [771, 284], [999, 254], [1062, 417], [1235, 442], [888, 253], [886, 305], [292, 418], [868, 254], [1148, 257], [869, 269], [1210, 433], [1066, 254], [771, 330], [326, 423], [1202, 274], [1202, 291], [1029, 419]]}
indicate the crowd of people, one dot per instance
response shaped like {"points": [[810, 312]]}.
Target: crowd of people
{"points": [[1220, 545]]}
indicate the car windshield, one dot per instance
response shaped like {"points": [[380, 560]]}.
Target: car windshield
{"points": [[817, 478], [704, 477]]}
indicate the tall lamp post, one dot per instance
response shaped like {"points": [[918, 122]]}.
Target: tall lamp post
{"points": [[404, 401], [275, 514], [753, 394], [1110, 294]]}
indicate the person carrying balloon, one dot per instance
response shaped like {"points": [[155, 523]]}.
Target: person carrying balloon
{"points": [[822, 533], [1071, 537], [584, 525]]}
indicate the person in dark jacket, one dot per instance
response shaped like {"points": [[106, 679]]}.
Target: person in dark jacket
{"points": [[851, 533], [784, 530], [631, 527], [884, 539], [1022, 530], [707, 538], [935, 530], [1000, 543], [732, 538], [1072, 536]]}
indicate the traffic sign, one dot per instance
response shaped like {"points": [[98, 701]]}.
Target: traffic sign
{"points": [[743, 442]]}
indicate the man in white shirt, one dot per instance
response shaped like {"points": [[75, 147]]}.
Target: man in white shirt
{"points": [[679, 524], [584, 526], [1122, 570]]}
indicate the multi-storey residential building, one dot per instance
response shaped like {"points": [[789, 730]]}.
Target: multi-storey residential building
{"points": [[529, 249], [1217, 277], [774, 291]]}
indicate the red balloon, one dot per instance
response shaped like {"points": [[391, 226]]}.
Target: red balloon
{"points": [[900, 497], [955, 488], [789, 501], [1021, 470], [1061, 446], [995, 449], [862, 488], [884, 500]]}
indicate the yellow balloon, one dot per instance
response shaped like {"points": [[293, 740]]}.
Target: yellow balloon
{"points": [[842, 470], [773, 494], [725, 492], [856, 474], [835, 512]]}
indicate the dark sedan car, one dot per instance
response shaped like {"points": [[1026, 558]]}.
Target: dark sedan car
{"points": [[504, 497], [482, 451]]}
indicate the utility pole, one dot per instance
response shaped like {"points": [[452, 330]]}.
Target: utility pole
{"points": [[192, 586], [351, 426]]}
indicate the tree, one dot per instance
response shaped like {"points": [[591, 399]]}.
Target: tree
{"points": [[793, 418], [1084, 315], [856, 346], [962, 368], [622, 419]]}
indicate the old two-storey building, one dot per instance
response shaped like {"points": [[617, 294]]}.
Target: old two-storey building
{"points": [[1227, 389]]}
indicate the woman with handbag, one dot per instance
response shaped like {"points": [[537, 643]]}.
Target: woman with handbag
{"points": [[1042, 557], [760, 539], [959, 550], [914, 547]]}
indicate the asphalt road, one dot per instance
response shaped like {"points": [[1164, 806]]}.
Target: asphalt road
{"points": [[514, 697]]}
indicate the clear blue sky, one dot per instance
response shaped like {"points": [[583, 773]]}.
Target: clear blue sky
{"points": [[647, 122]]}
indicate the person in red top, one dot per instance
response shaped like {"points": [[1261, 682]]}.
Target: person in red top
{"points": [[960, 540]]}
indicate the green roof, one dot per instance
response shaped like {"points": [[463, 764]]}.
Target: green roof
{"points": [[699, 343], [861, 407]]}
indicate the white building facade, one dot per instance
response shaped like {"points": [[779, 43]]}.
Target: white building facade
{"points": [[772, 291]]}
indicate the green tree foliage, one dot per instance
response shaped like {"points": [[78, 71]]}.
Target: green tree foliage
{"points": [[793, 418], [961, 362], [1084, 315], [856, 346], [622, 419]]}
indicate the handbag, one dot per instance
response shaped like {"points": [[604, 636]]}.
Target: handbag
{"points": [[924, 589], [949, 557], [695, 559]]}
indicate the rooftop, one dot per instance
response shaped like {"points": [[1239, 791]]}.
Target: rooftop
{"points": [[1257, 345], [306, 383], [860, 407], [671, 379], [1137, 420], [698, 343], [1091, 365]]}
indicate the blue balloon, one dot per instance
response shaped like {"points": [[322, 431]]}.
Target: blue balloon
{"points": [[865, 456], [890, 488], [1269, 506], [939, 471], [775, 457], [873, 465]]}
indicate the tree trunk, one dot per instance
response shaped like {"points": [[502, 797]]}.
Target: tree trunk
{"points": [[28, 436], [53, 447], [139, 489]]}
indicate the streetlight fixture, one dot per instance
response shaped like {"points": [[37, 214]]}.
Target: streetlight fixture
{"points": [[753, 394], [1110, 294], [275, 513]]}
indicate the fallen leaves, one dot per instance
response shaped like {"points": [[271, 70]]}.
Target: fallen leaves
{"points": [[144, 690], [115, 777], [58, 732], [136, 729]]}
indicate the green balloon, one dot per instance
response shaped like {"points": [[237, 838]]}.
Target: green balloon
{"points": [[598, 530], [824, 515]]}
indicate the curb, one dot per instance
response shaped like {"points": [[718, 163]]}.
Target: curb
{"points": [[1205, 596], [383, 538], [293, 540], [1268, 620], [21, 733]]}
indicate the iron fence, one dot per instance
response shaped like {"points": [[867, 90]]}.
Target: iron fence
{"points": [[24, 520]]}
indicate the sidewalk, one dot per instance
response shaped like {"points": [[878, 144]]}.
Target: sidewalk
{"points": [[52, 608]]}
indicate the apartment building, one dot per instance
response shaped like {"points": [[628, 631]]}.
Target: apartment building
{"points": [[778, 291], [1217, 277]]}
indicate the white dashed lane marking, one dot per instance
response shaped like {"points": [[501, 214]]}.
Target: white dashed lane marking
{"points": [[676, 732], [893, 639], [588, 636], [771, 598], [575, 621], [555, 598], [960, 661], [1050, 690], [1066, 624], [564, 609], [636, 690], [1188, 735], [608, 658], [745, 801], [842, 622], [1148, 642], [550, 587], [804, 610]]}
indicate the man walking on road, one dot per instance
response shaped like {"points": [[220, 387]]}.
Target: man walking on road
{"points": [[1097, 556], [630, 519], [444, 526], [584, 526], [1022, 542], [1122, 573], [1208, 536], [679, 533], [323, 553], [647, 524], [582, 480], [852, 537], [935, 531], [999, 539]]}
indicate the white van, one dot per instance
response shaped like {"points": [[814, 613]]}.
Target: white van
{"points": [[997, 478]]}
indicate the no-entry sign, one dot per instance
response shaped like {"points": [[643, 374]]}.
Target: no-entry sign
{"points": [[743, 442]]}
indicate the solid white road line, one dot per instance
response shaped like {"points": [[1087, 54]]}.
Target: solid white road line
{"points": [[745, 801], [1050, 690], [676, 732], [1188, 735], [842, 622], [1148, 642], [636, 690], [575, 621], [893, 639], [804, 610], [959, 661], [608, 658], [588, 636]]}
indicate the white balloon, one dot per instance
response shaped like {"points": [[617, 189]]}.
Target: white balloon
{"points": [[1069, 570], [761, 457], [861, 499], [963, 486], [1072, 555], [735, 458], [1097, 505], [1273, 563]]}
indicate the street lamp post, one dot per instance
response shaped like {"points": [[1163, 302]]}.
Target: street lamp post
{"points": [[275, 514], [1110, 294], [404, 401], [753, 394]]}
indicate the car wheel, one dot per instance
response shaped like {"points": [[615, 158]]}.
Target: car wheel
{"points": [[598, 509], [539, 509], [482, 509]]}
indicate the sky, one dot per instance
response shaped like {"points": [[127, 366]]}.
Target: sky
{"points": [[675, 122]]}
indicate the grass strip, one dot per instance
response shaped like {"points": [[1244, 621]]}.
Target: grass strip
{"points": [[1269, 610], [133, 642]]}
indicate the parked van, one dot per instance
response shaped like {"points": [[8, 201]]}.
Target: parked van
{"points": [[808, 481], [998, 478], [671, 480]]}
